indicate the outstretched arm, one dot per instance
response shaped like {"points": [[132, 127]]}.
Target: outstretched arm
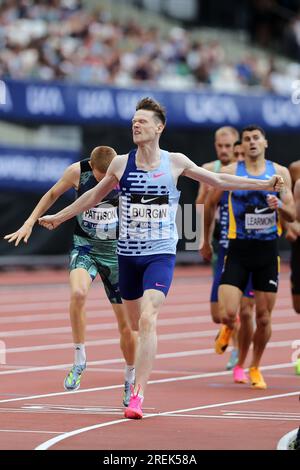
{"points": [[69, 180], [86, 201], [204, 188], [231, 182]]}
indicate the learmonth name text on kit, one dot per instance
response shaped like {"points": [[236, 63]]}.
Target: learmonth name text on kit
{"points": [[151, 459]]}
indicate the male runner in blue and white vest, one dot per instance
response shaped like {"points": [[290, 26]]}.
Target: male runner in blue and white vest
{"points": [[148, 236], [93, 252]]}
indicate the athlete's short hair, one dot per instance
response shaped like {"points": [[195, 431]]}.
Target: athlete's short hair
{"points": [[225, 130], [253, 127], [238, 142], [151, 105], [101, 158]]}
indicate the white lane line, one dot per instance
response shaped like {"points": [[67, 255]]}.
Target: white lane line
{"points": [[113, 326], [95, 303], [103, 326], [198, 352], [236, 402], [106, 361], [98, 308], [53, 317], [119, 412], [24, 431], [47, 412], [266, 413], [95, 314], [228, 416], [102, 342], [46, 445], [51, 442], [286, 440], [158, 381]]}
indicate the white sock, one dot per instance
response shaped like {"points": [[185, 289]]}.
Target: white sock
{"points": [[129, 374], [80, 357]]}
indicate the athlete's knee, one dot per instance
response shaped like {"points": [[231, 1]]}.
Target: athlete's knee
{"points": [[247, 306], [152, 301], [148, 320], [78, 295], [126, 332], [263, 318], [245, 315], [230, 316]]}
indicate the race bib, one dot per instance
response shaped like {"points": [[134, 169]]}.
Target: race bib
{"points": [[151, 209], [260, 221], [101, 215]]}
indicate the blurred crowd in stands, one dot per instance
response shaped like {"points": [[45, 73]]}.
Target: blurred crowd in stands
{"points": [[61, 40]]}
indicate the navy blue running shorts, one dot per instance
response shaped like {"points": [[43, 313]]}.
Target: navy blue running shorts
{"points": [[140, 273]]}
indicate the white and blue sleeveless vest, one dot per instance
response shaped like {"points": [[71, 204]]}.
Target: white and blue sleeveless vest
{"points": [[148, 206]]}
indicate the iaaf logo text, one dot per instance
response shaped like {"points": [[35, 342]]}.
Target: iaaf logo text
{"points": [[296, 354]]}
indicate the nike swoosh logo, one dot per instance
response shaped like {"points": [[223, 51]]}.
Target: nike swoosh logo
{"points": [[143, 200], [159, 285], [157, 175], [258, 211]]}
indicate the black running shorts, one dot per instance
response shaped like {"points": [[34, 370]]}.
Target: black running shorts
{"points": [[256, 257]]}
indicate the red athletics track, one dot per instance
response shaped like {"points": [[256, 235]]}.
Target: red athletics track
{"points": [[191, 401]]}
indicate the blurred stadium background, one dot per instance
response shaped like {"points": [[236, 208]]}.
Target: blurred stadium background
{"points": [[71, 72]]}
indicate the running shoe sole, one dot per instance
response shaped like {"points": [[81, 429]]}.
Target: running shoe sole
{"points": [[132, 414]]}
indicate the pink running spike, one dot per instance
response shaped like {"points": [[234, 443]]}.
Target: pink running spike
{"points": [[239, 375], [134, 409]]}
